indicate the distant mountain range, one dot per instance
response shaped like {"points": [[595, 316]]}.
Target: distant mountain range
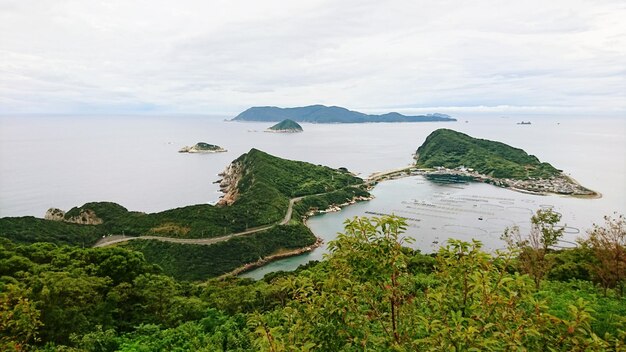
{"points": [[329, 114]]}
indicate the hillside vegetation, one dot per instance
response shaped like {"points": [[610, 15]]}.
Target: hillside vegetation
{"points": [[198, 262], [451, 149], [265, 185], [370, 294], [286, 126], [29, 229], [264, 189]]}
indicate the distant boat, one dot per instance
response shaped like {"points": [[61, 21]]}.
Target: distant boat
{"points": [[524, 123]]}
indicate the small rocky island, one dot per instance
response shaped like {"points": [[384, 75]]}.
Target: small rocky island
{"points": [[286, 126], [457, 155], [202, 147]]}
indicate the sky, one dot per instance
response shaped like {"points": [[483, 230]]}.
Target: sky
{"points": [[221, 57]]}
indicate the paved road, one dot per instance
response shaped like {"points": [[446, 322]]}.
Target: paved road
{"points": [[109, 240]]}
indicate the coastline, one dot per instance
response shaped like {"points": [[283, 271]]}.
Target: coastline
{"points": [[273, 257], [561, 185], [371, 181], [298, 251], [595, 195]]}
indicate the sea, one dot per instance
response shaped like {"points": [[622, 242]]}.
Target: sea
{"points": [[66, 161]]}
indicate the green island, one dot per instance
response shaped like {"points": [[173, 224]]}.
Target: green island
{"points": [[330, 114], [202, 147], [457, 155], [287, 125]]}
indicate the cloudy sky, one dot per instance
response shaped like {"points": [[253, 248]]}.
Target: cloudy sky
{"points": [[220, 57]]}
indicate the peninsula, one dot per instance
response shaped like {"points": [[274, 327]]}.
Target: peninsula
{"points": [[456, 154], [329, 114], [260, 217], [286, 126], [202, 147]]}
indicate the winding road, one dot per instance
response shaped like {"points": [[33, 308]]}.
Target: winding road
{"points": [[113, 239]]}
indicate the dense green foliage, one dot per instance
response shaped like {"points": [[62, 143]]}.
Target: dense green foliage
{"points": [[329, 114], [197, 262], [452, 149], [28, 229], [286, 125], [265, 187], [370, 294], [290, 178]]}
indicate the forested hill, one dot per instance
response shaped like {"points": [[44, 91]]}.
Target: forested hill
{"points": [[451, 149], [289, 177], [261, 184], [260, 187], [329, 114]]}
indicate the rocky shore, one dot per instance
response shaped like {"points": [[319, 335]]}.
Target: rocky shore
{"points": [[559, 184], [335, 207], [270, 258], [228, 184]]}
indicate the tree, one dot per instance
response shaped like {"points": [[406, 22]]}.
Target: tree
{"points": [[608, 244], [371, 251], [368, 300], [19, 319], [533, 248]]}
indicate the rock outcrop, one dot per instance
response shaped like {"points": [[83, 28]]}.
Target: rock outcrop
{"points": [[55, 214], [229, 183], [85, 217]]}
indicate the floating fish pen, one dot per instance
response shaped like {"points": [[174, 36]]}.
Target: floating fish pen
{"points": [[384, 214], [447, 179]]}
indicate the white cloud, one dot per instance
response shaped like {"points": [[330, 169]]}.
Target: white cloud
{"points": [[224, 56]]}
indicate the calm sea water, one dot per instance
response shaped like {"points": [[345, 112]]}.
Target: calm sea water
{"points": [[68, 161]]}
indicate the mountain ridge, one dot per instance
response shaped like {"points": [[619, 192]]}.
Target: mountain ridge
{"points": [[329, 114]]}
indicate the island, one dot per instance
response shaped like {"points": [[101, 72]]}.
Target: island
{"points": [[202, 147], [285, 126], [457, 155], [329, 114]]}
